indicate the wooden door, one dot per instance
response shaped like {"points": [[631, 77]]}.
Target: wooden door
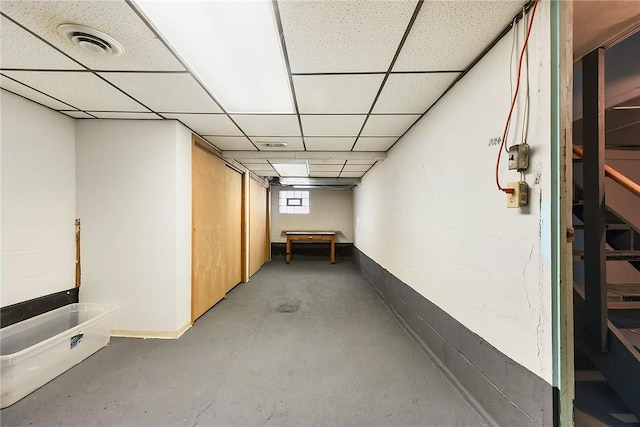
{"points": [[233, 229], [216, 211]]}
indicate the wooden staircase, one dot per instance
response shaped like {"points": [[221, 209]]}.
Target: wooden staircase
{"points": [[619, 358], [623, 244]]}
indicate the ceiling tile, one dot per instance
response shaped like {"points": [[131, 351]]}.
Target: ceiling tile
{"points": [[258, 166], [293, 143], [374, 144], [388, 125], [257, 161], [449, 35], [324, 174], [356, 168], [338, 36], [77, 114], [285, 161], [325, 162], [351, 174], [207, 124], [347, 93], [329, 144], [231, 142], [332, 125], [412, 93], [360, 162], [265, 172], [20, 49], [325, 168], [165, 92], [84, 91], [31, 94], [132, 116], [268, 124], [143, 50]]}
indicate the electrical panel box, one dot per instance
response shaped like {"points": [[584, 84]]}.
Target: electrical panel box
{"points": [[519, 157], [520, 195]]}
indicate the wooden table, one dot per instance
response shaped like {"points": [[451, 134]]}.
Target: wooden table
{"points": [[311, 236]]}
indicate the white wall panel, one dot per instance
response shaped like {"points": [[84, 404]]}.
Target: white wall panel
{"points": [[38, 201], [431, 213], [133, 192]]}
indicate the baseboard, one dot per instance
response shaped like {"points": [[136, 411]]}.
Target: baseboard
{"points": [[27, 309], [503, 391], [141, 333]]}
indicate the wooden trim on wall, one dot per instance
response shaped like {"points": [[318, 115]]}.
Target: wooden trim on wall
{"points": [[260, 180], [208, 147], [78, 266]]}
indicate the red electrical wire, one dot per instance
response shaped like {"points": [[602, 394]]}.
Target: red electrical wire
{"points": [[515, 97]]}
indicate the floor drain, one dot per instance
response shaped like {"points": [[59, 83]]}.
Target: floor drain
{"points": [[287, 308]]}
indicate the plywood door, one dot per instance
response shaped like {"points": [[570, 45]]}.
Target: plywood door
{"points": [[233, 229], [258, 233], [216, 214]]}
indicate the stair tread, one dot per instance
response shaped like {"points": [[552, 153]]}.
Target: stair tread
{"points": [[614, 255], [623, 291], [612, 226], [632, 335]]}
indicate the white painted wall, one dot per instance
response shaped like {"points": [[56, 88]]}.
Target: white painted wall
{"points": [[431, 214], [183, 225], [38, 200], [329, 210], [133, 197]]}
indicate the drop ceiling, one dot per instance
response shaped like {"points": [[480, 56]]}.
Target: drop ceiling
{"points": [[361, 73]]}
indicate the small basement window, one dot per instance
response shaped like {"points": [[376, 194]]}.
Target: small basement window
{"points": [[293, 202]]}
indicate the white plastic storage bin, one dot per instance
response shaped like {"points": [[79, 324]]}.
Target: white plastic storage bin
{"points": [[36, 350]]}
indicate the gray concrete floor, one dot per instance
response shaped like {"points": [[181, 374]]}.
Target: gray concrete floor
{"points": [[341, 359]]}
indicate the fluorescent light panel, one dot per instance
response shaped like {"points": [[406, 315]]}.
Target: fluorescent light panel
{"points": [[291, 169], [232, 46]]}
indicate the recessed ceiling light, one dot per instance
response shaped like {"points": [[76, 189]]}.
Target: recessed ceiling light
{"points": [[91, 39], [233, 47]]}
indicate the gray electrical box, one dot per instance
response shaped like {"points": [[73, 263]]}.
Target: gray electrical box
{"points": [[523, 194], [519, 157]]}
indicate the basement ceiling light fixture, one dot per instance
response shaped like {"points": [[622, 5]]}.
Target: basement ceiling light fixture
{"points": [[291, 169], [233, 47], [91, 39]]}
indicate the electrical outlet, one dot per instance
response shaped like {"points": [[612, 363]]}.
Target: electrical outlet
{"points": [[520, 195], [523, 193], [513, 199]]}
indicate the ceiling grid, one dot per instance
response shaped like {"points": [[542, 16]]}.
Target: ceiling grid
{"points": [[359, 73]]}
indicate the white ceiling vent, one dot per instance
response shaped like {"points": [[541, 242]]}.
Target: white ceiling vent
{"points": [[272, 144], [90, 39]]}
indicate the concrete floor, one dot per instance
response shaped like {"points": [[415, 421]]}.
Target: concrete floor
{"points": [[340, 359]]}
